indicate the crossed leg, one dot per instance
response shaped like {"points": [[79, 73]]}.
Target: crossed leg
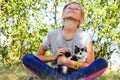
{"points": [[41, 69]]}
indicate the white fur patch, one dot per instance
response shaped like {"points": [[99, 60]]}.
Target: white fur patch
{"points": [[64, 69]]}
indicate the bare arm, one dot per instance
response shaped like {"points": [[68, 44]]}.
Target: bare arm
{"points": [[72, 64], [41, 55], [90, 56]]}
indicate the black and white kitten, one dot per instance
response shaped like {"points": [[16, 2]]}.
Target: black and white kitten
{"points": [[79, 54]]}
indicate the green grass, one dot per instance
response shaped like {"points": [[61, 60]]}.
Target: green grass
{"points": [[109, 75], [18, 72], [13, 73]]}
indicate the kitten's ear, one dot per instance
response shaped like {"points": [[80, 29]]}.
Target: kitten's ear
{"points": [[93, 42], [85, 49], [76, 47]]}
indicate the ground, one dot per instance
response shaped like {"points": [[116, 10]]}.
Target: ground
{"points": [[18, 72]]}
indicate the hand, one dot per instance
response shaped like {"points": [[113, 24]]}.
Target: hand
{"points": [[62, 60], [60, 52]]}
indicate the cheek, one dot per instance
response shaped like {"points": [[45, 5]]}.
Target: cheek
{"points": [[78, 16], [78, 54], [64, 13]]}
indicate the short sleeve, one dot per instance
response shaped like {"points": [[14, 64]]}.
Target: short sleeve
{"points": [[86, 39], [46, 42]]}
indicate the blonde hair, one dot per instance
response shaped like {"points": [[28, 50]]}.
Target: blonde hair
{"points": [[81, 8]]}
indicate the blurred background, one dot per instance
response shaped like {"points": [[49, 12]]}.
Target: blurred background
{"points": [[24, 23]]}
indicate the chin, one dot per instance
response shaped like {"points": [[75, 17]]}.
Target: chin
{"points": [[71, 17]]}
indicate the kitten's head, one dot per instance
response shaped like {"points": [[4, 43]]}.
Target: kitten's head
{"points": [[80, 52]]}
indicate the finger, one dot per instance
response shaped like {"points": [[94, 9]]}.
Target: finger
{"points": [[59, 53], [62, 50], [58, 62]]}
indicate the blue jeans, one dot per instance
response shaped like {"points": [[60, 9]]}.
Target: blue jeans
{"points": [[42, 69]]}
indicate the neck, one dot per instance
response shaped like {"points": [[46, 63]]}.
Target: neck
{"points": [[70, 26]]}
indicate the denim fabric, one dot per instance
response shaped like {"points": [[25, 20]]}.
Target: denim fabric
{"points": [[43, 70]]}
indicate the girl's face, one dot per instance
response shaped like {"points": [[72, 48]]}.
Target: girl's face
{"points": [[72, 11]]}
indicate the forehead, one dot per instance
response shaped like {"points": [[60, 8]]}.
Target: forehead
{"points": [[74, 4]]}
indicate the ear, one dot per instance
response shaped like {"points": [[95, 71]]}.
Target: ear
{"points": [[93, 42], [76, 46], [63, 15], [76, 49], [85, 49]]}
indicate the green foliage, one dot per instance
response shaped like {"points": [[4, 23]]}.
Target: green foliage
{"points": [[103, 19], [16, 27]]}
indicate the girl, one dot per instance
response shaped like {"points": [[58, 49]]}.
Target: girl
{"points": [[58, 41]]}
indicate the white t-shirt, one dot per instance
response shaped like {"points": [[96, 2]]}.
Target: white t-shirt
{"points": [[55, 40]]}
